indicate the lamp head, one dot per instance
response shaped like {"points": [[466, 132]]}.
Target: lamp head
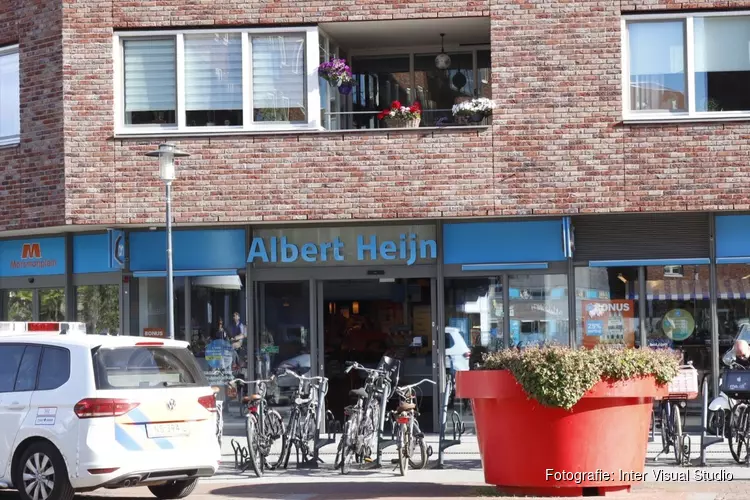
{"points": [[167, 154]]}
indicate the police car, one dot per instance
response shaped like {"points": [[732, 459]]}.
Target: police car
{"points": [[80, 412]]}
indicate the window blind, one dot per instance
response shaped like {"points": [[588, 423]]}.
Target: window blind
{"points": [[10, 121], [150, 75], [722, 44], [279, 71], [213, 72]]}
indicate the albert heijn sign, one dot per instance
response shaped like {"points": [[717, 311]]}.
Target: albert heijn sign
{"points": [[32, 257], [344, 246]]}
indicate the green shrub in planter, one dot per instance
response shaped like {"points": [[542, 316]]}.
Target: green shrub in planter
{"points": [[559, 376]]}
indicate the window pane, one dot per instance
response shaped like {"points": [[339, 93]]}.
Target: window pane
{"points": [[213, 79], [146, 368], [55, 368], [380, 81], [26, 379], [10, 121], [678, 312], [732, 302], [150, 81], [722, 63], [538, 309], [279, 90], [657, 66], [52, 304], [438, 90], [99, 307], [11, 356], [606, 306], [484, 65], [17, 305]]}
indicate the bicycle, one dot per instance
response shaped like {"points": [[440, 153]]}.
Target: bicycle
{"points": [[459, 428], [263, 426], [361, 433], [407, 433], [302, 430], [738, 432], [683, 387]]}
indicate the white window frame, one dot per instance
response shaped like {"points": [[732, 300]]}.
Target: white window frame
{"points": [[13, 140], [248, 125], [691, 115]]}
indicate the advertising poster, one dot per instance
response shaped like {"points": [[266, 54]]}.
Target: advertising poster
{"points": [[608, 322]]}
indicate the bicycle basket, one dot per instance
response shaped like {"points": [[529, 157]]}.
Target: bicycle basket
{"points": [[391, 366], [685, 384], [736, 384]]}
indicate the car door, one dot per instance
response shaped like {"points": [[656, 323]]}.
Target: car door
{"points": [[17, 380]]}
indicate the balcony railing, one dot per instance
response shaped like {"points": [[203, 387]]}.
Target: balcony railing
{"points": [[368, 120]]}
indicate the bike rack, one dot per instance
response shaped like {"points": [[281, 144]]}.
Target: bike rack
{"points": [[458, 425], [706, 438], [241, 456], [383, 443]]}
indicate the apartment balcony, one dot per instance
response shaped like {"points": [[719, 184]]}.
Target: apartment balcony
{"points": [[396, 61]]}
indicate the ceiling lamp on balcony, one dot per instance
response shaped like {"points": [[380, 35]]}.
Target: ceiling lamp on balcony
{"points": [[443, 60]]}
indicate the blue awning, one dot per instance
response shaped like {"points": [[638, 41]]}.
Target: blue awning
{"points": [[189, 273], [504, 266], [648, 262]]}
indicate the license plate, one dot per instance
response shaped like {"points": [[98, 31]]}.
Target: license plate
{"points": [[167, 430]]}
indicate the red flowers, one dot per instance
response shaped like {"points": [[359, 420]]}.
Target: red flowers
{"points": [[399, 111]]}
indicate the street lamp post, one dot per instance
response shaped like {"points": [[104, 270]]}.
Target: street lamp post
{"points": [[167, 154]]}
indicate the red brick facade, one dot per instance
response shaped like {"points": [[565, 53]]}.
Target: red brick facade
{"points": [[557, 145]]}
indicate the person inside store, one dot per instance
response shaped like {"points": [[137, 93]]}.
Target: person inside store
{"points": [[220, 333], [742, 353]]}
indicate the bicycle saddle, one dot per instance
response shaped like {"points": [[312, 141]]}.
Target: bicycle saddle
{"points": [[254, 397], [406, 407], [360, 393]]}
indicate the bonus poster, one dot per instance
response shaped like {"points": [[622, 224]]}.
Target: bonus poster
{"points": [[608, 322]]}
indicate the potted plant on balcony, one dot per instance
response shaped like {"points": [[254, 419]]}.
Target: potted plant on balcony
{"points": [[338, 74], [473, 111], [400, 116], [556, 421]]}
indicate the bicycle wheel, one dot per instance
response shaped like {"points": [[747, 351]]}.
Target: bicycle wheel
{"points": [[253, 450], [666, 435], [679, 448], [404, 443], [736, 442], [418, 451], [288, 441], [345, 445], [273, 428]]}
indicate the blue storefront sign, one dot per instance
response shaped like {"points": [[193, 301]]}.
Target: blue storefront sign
{"points": [[195, 251], [494, 246], [405, 245], [733, 239], [99, 253], [32, 257]]}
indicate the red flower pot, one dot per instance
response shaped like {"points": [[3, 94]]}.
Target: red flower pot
{"points": [[596, 447]]}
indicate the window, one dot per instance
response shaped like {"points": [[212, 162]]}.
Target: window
{"points": [[691, 66], [11, 356], [26, 379], [10, 118], [54, 370], [99, 307], [143, 367], [231, 80]]}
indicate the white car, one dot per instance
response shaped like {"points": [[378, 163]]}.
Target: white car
{"points": [[457, 353], [80, 412]]}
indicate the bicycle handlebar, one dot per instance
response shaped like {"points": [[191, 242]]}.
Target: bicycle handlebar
{"points": [[356, 366], [287, 371], [251, 382], [405, 388]]}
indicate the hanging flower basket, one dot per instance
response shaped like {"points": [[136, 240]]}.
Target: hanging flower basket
{"points": [[346, 88], [473, 112], [338, 74]]}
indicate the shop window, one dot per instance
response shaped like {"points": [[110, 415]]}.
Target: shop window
{"points": [[538, 309], [606, 306], [678, 312], [52, 304], [732, 302], [474, 323], [99, 307], [150, 301], [17, 305]]}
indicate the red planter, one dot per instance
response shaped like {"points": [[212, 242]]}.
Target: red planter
{"points": [[528, 448]]}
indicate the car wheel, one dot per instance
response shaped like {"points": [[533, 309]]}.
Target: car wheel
{"points": [[174, 489], [41, 474]]}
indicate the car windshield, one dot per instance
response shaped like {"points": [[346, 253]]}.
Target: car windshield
{"points": [[144, 367]]}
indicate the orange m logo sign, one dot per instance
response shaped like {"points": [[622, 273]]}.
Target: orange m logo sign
{"points": [[31, 251]]}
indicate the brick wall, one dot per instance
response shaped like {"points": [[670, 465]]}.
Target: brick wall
{"points": [[32, 174], [557, 144]]}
